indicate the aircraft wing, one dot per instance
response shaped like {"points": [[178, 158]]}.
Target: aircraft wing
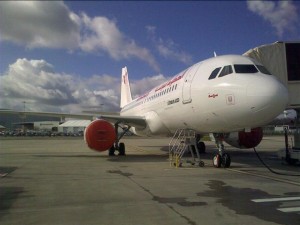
{"points": [[50, 114], [134, 121]]}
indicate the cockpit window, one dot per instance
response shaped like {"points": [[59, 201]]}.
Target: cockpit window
{"points": [[214, 73], [245, 68], [225, 71], [263, 69]]}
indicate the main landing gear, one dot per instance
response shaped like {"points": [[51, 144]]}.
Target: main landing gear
{"points": [[120, 147], [200, 144], [221, 159]]}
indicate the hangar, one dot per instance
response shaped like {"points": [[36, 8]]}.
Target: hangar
{"points": [[73, 126]]}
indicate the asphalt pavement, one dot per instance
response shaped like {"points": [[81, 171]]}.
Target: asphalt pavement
{"points": [[58, 180]]}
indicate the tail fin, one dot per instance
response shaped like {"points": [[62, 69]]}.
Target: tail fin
{"points": [[125, 89]]}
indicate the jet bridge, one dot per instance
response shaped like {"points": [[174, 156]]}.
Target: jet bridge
{"points": [[282, 59]]}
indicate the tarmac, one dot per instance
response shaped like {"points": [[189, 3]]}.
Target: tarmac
{"points": [[58, 180]]}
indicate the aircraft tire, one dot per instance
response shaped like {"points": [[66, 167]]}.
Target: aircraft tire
{"points": [[111, 151], [201, 147], [122, 149], [226, 160], [217, 160]]}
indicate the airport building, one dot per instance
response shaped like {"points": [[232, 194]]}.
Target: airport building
{"points": [[46, 125], [68, 127], [73, 126], [38, 125]]}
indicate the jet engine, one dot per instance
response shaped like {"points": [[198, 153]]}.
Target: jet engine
{"points": [[243, 139], [100, 135]]}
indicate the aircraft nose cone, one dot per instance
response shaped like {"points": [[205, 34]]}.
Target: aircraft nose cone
{"points": [[267, 97]]}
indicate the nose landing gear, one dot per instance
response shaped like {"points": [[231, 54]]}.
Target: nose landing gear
{"points": [[221, 159]]}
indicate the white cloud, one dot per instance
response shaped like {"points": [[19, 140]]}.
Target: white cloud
{"points": [[168, 48], [103, 34], [140, 87], [51, 24], [36, 82], [39, 24], [282, 14]]}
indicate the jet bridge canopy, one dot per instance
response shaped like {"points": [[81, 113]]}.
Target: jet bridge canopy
{"points": [[282, 60]]}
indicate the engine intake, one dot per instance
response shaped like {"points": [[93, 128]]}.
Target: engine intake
{"points": [[244, 139], [100, 135]]}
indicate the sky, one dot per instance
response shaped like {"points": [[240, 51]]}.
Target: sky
{"points": [[67, 56]]}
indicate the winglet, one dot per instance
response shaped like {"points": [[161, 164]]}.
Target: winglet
{"points": [[125, 88], [215, 54]]}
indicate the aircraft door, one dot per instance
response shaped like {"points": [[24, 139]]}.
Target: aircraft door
{"points": [[186, 90]]}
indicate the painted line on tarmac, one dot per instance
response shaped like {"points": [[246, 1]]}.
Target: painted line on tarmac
{"points": [[3, 174], [266, 177], [276, 199], [283, 199], [287, 210]]}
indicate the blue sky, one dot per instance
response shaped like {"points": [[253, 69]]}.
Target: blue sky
{"points": [[67, 56]]}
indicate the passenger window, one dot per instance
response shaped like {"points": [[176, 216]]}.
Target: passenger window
{"points": [[214, 73], [225, 71]]}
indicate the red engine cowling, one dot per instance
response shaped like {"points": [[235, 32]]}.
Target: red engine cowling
{"points": [[244, 139], [100, 135]]}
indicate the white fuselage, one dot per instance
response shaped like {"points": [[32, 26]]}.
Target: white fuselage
{"points": [[238, 97]]}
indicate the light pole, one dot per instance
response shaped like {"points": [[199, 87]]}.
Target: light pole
{"points": [[23, 117]]}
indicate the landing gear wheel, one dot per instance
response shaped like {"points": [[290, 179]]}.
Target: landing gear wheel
{"points": [[201, 147], [193, 150], [226, 161], [217, 161], [122, 149], [111, 151], [201, 164]]}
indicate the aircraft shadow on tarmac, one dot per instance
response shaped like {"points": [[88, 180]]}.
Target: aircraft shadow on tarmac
{"points": [[7, 169], [241, 158], [116, 158], [8, 195]]}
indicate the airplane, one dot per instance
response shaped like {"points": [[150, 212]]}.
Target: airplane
{"points": [[229, 96], [287, 117]]}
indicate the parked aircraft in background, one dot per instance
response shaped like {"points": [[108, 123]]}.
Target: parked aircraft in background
{"points": [[287, 117], [230, 96]]}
